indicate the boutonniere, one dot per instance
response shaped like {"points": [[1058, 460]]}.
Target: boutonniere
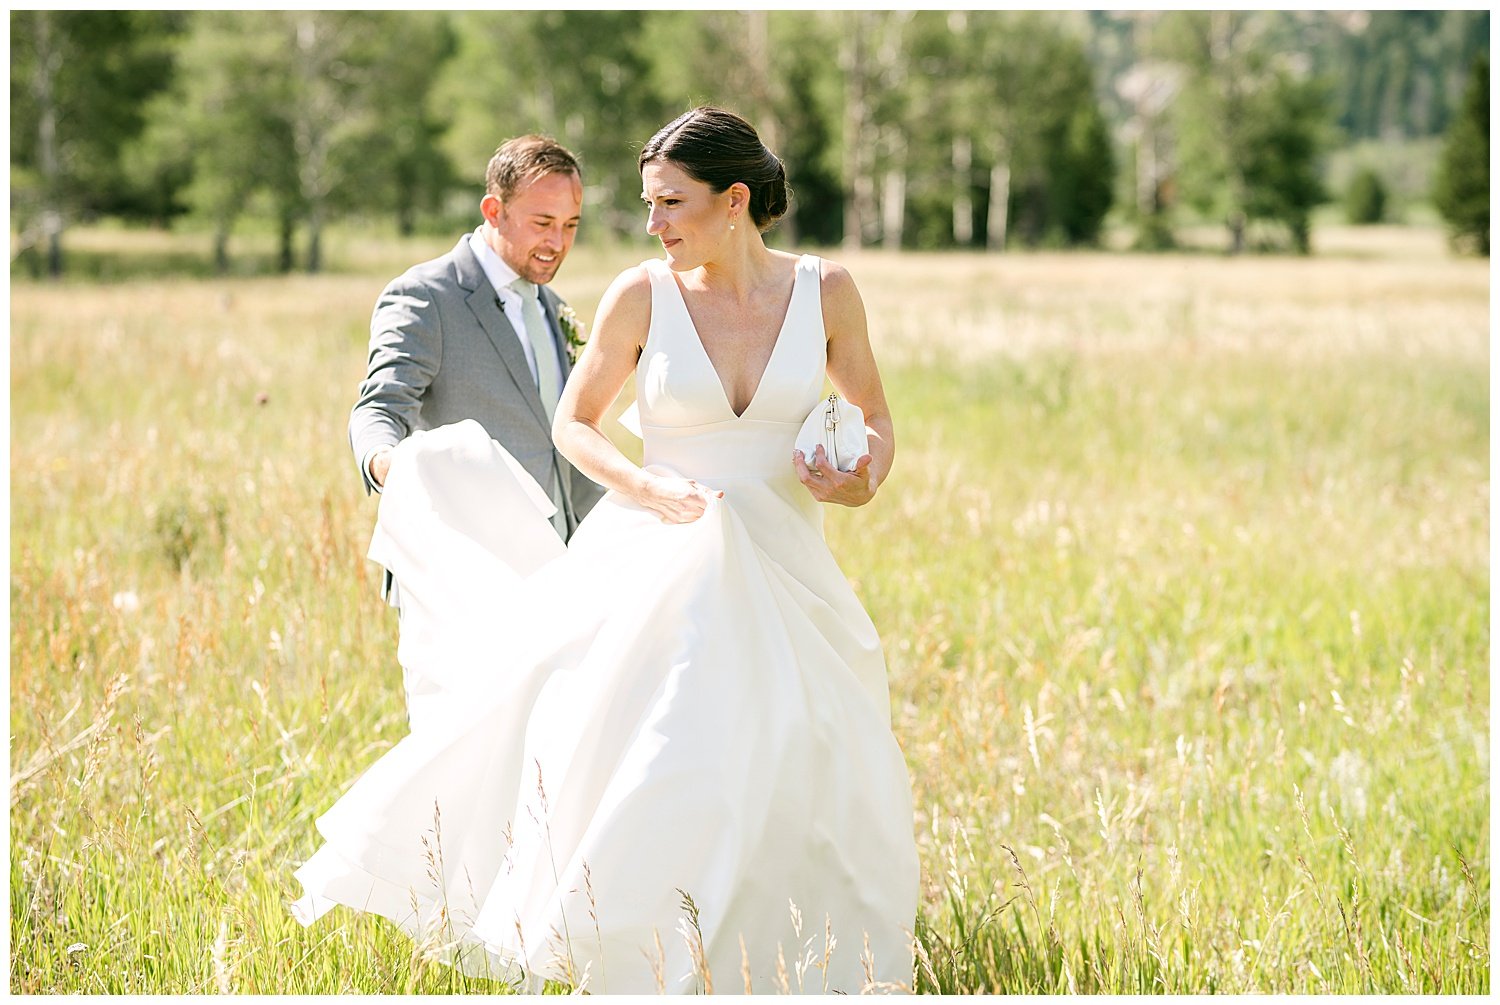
{"points": [[574, 331]]}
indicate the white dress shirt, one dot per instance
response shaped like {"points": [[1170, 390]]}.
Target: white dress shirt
{"points": [[501, 276]]}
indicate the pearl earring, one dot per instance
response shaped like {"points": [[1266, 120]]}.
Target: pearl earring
{"points": [[731, 226]]}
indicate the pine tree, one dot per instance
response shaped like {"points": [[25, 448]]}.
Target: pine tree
{"points": [[1462, 188], [1364, 200], [1285, 134], [1250, 128]]}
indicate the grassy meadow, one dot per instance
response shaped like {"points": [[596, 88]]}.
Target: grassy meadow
{"points": [[1182, 575]]}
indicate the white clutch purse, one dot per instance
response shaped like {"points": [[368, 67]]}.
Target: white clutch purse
{"points": [[840, 427]]}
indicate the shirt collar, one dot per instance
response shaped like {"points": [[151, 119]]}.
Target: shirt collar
{"points": [[496, 271]]}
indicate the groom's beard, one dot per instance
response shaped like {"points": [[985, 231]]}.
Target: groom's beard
{"points": [[538, 263]]}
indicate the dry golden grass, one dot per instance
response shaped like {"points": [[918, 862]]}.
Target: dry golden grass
{"points": [[1182, 577]]}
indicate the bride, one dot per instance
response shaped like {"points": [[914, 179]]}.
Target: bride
{"points": [[663, 761]]}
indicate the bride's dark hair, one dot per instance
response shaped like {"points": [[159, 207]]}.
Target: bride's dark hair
{"points": [[719, 148]]}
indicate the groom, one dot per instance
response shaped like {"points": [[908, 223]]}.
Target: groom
{"points": [[476, 333]]}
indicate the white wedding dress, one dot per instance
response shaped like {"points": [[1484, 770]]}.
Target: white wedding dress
{"points": [[656, 709]]}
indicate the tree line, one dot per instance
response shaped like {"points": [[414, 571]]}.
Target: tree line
{"points": [[901, 129]]}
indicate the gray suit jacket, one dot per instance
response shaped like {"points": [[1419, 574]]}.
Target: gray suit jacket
{"points": [[442, 350]]}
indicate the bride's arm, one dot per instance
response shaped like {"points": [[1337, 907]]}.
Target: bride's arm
{"points": [[608, 359], [853, 373]]}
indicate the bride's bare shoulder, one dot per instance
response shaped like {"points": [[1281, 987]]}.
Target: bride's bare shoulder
{"points": [[840, 295], [629, 291], [833, 273], [634, 281], [626, 305]]}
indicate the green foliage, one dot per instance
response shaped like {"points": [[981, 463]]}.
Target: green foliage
{"points": [[1401, 72], [223, 123], [580, 76], [1021, 94], [1407, 169], [1396, 75], [99, 69], [184, 528], [1286, 136], [1462, 188], [1064, 198], [79, 82], [1252, 128], [929, 128], [1364, 199], [393, 162], [312, 113], [1154, 233], [1083, 172], [806, 97]]}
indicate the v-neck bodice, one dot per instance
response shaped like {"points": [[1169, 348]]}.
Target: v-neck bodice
{"points": [[687, 421], [775, 342]]}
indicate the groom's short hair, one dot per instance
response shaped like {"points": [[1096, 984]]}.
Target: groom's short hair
{"points": [[523, 160]]}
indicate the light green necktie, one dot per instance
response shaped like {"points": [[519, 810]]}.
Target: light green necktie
{"points": [[547, 383], [542, 349]]}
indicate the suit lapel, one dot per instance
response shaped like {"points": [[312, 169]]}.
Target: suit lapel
{"points": [[485, 304]]}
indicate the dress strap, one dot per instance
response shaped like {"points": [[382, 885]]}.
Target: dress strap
{"points": [[807, 296], [666, 301]]}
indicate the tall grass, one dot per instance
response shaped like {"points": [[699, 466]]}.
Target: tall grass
{"points": [[1182, 577]]}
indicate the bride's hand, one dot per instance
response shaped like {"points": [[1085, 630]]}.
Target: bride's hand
{"points": [[677, 500], [828, 484]]}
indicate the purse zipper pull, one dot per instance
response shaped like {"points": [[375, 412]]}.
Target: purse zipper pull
{"points": [[831, 427]]}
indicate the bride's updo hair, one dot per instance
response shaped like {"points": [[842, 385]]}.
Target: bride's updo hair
{"points": [[719, 148]]}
